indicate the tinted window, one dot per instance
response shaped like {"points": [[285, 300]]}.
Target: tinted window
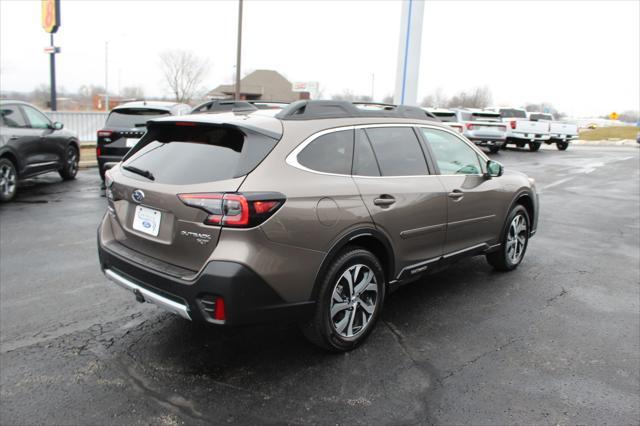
{"points": [[445, 116], [513, 113], [37, 120], [133, 117], [398, 151], [538, 116], [452, 155], [187, 155], [486, 116], [12, 117], [364, 161], [330, 153]]}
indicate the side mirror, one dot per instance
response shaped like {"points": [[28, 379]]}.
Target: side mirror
{"points": [[494, 169], [57, 125]]}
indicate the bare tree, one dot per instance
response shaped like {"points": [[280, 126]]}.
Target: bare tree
{"points": [[387, 99], [348, 95], [184, 73]]}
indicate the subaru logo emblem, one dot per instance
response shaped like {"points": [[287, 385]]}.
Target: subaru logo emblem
{"points": [[137, 196]]}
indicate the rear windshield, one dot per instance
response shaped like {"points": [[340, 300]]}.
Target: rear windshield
{"points": [[486, 116], [445, 116], [543, 117], [133, 117], [513, 113], [179, 155]]}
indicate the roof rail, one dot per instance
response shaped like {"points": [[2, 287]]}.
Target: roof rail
{"points": [[311, 110]]}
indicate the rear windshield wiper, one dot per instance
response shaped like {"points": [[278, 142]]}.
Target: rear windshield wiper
{"points": [[145, 173]]}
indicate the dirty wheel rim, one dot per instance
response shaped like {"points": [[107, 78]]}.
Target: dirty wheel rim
{"points": [[72, 161], [354, 301], [516, 239], [7, 180]]}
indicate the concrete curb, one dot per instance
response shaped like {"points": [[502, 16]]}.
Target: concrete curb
{"points": [[607, 142]]}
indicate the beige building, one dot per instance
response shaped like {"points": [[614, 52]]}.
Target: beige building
{"points": [[264, 85]]}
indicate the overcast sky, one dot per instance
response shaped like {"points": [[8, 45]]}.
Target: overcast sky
{"points": [[583, 57]]}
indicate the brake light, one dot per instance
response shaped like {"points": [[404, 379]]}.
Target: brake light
{"points": [[104, 133], [469, 126], [233, 209], [186, 124], [513, 124]]}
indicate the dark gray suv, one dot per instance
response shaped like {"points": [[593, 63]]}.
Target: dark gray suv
{"points": [[312, 214]]}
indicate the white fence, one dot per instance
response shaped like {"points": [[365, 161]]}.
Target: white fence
{"points": [[84, 124]]}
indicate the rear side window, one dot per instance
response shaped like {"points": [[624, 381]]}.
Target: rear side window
{"points": [[12, 117], [541, 117], [330, 153], [398, 151], [513, 113], [187, 155], [133, 117], [364, 160], [486, 116]]}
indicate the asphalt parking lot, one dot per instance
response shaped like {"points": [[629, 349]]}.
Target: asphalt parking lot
{"points": [[555, 342]]}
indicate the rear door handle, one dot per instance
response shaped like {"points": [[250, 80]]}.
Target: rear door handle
{"points": [[456, 195], [384, 200]]}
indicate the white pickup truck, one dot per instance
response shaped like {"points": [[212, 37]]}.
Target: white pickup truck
{"points": [[559, 133], [521, 130]]}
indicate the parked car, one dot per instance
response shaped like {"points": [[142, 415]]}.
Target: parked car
{"points": [[126, 124], [314, 214], [448, 117], [522, 131], [31, 144], [560, 133], [482, 127]]}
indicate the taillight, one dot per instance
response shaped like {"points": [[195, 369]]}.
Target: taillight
{"points": [[513, 124], [235, 210], [469, 126], [98, 151]]}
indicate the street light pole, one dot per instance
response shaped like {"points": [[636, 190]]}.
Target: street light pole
{"points": [[52, 72], [239, 52]]}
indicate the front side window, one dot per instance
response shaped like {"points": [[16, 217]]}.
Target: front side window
{"points": [[12, 117], [37, 120], [452, 155], [398, 151], [330, 153]]}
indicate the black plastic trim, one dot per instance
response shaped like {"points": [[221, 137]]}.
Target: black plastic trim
{"points": [[313, 110]]}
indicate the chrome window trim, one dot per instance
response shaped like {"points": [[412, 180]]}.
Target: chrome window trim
{"points": [[292, 157]]}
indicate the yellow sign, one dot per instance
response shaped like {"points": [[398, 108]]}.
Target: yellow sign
{"points": [[613, 116], [50, 15]]}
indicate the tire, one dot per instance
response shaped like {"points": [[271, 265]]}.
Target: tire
{"points": [[534, 146], [562, 146], [71, 161], [520, 144], [504, 259], [8, 180], [494, 149], [351, 322]]}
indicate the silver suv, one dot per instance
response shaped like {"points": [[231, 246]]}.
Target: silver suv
{"points": [[314, 214]]}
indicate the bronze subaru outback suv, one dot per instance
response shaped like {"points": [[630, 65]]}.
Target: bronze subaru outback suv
{"points": [[313, 214]]}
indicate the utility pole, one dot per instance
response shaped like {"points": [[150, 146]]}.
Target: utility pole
{"points": [[106, 76], [239, 52], [408, 68]]}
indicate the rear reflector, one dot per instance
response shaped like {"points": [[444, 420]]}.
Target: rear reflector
{"points": [[234, 209], [214, 307], [469, 126], [513, 124]]}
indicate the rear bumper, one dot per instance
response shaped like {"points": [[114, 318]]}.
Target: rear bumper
{"points": [[527, 137], [248, 299], [488, 142], [554, 137]]}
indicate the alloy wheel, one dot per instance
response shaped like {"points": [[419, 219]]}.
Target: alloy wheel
{"points": [[354, 300], [8, 180], [72, 161], [516, 239]]}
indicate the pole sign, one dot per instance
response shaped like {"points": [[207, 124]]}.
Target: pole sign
{"points": [[51, 15], [613, 116], [305, 86]]}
